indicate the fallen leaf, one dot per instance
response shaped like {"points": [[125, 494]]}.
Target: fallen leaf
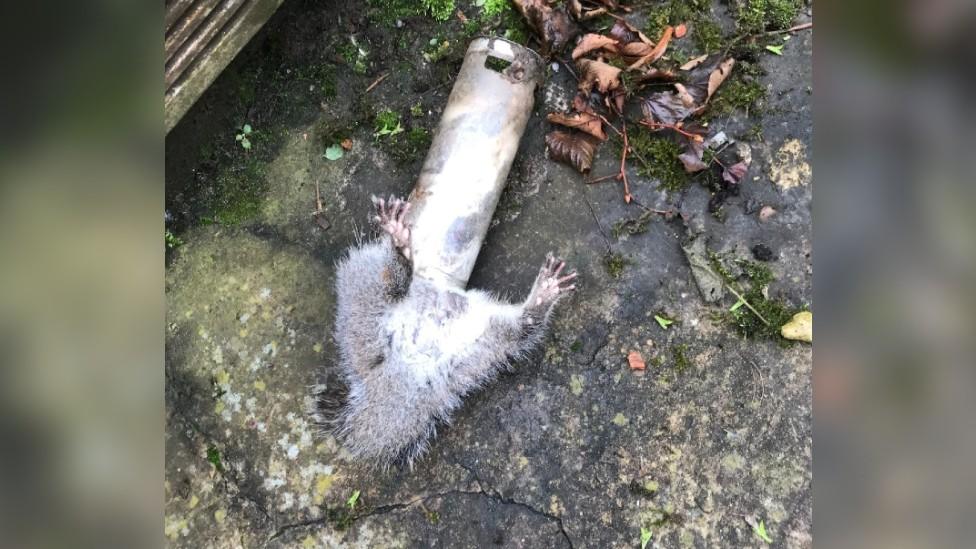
{"points": [[658, 50], [734, 173], [718, 76], [694, 62], [591, 42], [553, 25], [583, 121], [663, 322], [605, 77], [680, 31], [575, 149], [692, 157], [778, 50], [625, 33], [636, 361], [653, 74], [634, 51], [709, 283], [666, 108], [346, 144]]}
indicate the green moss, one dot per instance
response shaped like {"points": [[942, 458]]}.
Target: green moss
{"points": [[172, 241], [213, 456], [756, 16], [632, 226], [500, 17], [388, 12], [495, 7], [661, 155], [615, 264], [694, 13], [433, 517], [355, 55], [417, 110], [442, 10], [736, 94], [577, 346], [707, 34], [680, 355], [742, 318], [237, 193]]}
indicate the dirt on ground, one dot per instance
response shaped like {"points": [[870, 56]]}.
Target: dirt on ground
{"points": [[572, 447]]}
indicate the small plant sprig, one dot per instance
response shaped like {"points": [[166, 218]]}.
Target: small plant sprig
{"points": [[243, 137]]}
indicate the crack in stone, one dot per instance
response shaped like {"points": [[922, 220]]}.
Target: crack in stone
{"points": [[496, 495], [238, 492]]}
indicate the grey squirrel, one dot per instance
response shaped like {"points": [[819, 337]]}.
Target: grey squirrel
{"points": [[410, 348]]}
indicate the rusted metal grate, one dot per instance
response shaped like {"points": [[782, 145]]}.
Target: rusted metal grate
{"points": [[201, 38]]}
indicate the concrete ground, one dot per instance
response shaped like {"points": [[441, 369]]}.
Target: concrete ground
{"points": [[572, 448]]}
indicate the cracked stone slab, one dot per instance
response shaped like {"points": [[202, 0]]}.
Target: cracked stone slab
{"points": [[568, 448]]}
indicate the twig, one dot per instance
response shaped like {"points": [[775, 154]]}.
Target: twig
{"points": [[746, 303], [569, 68], [662, 126], [802, 26], [623, 166], [604, 178], [376, 83], [596, 220]]}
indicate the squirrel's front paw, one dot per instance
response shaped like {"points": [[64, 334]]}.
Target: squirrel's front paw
{"points": [[391, 215], [549, 286]]}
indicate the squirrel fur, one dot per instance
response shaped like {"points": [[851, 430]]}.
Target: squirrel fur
{"points": [[409, 349]]}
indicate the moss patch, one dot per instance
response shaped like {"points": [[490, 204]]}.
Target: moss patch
{"points": [[756, 16], [680, 355], [213, 456], [741, 92], [704, 31], [661, 154], [615, 264], [741, 318], [632, 226]]}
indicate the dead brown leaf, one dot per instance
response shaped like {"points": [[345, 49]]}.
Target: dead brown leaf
{"points": [[553, 25], [634, 51], [591, 42], [582, 121], [575, 149], [658, 50], [346, 144], [636, 361], [734, 173], [694, 62], [666, 108], [680, 30], [605, 77], [625, 33], [718, 76]]}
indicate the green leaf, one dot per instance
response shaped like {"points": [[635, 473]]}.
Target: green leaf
{"points": [[333, 153], [645, 537], [246, 143], [353, 499], [663, 322], [735, 307], [778, 50], [760, 530], [247, 128]]}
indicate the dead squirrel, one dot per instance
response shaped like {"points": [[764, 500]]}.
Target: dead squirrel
{"points": [[410, 349]]}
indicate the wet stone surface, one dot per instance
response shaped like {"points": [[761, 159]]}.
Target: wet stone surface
{"points": [[571, 448]]}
